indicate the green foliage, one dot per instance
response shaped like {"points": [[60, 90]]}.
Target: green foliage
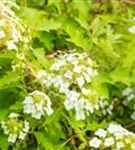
{"points": [[99, 29]]}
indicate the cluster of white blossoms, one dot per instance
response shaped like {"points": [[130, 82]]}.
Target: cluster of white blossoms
{"points": [[11, 30], [129, 99], [129, 94], [132, 29], [106, 106], [72, 75], [114, 137], [15, 128], [37, 104]]}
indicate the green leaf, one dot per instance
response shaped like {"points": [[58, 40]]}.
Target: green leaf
{"points": [[6, 56], [41, 139], [3, 114], [3, 142], [121, 75], [8, 96], [46, 38], [77, 34], [82, 146], [17, 106], [38, 21], [42, 60], [129, 59], [8, 79]]}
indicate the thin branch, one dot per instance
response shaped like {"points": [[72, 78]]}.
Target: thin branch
{"points": [[25, 3], [131, 125], [69, 139], [128, 2]]}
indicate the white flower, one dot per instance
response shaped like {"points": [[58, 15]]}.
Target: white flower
{"points": [[73, 95], [28, 109], [90, 71], [36, 104], [55, 82], [130, 97], [101, 133], [69, 104], [113, 128], [16, 35], [22, 135], [89, 107], [133, 116], [64, 88], [86, 91], [95, 73], [37, 115], [2, 34], [69, 59], [80, 81], [28, 100], [26, 126], [95, 142], [39, 106], [68, 74], [2, 23], [13, 115], [4, 127], [127, 91], [87, 77], [132, 29], [12, 138], [109, 141], [47, 83], [119, 137], [74, 71], [41, 73], [80, 115], [79, 104], [11, 45], [77, 69], [56, 66], [75, 62], [48, 110], [96, 106], [6, 131], [3, 124], [108, 110], [90, 61]]}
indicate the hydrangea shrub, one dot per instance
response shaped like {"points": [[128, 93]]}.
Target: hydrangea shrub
{"points": [[66, 78]]}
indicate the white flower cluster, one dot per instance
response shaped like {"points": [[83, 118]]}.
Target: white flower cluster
{"points": [[72, 75], [129, 99], [37, 104], [132, 29], [115, 137], [15, 128], [11, 30], [129, 94], [105, 106]]}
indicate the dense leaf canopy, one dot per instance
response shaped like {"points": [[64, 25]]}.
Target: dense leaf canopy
{"points": [[67, 74]]}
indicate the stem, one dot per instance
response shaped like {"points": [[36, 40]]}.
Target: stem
{"points": [[69, 139], [128, 2], [131, 125], [25, 3]]}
